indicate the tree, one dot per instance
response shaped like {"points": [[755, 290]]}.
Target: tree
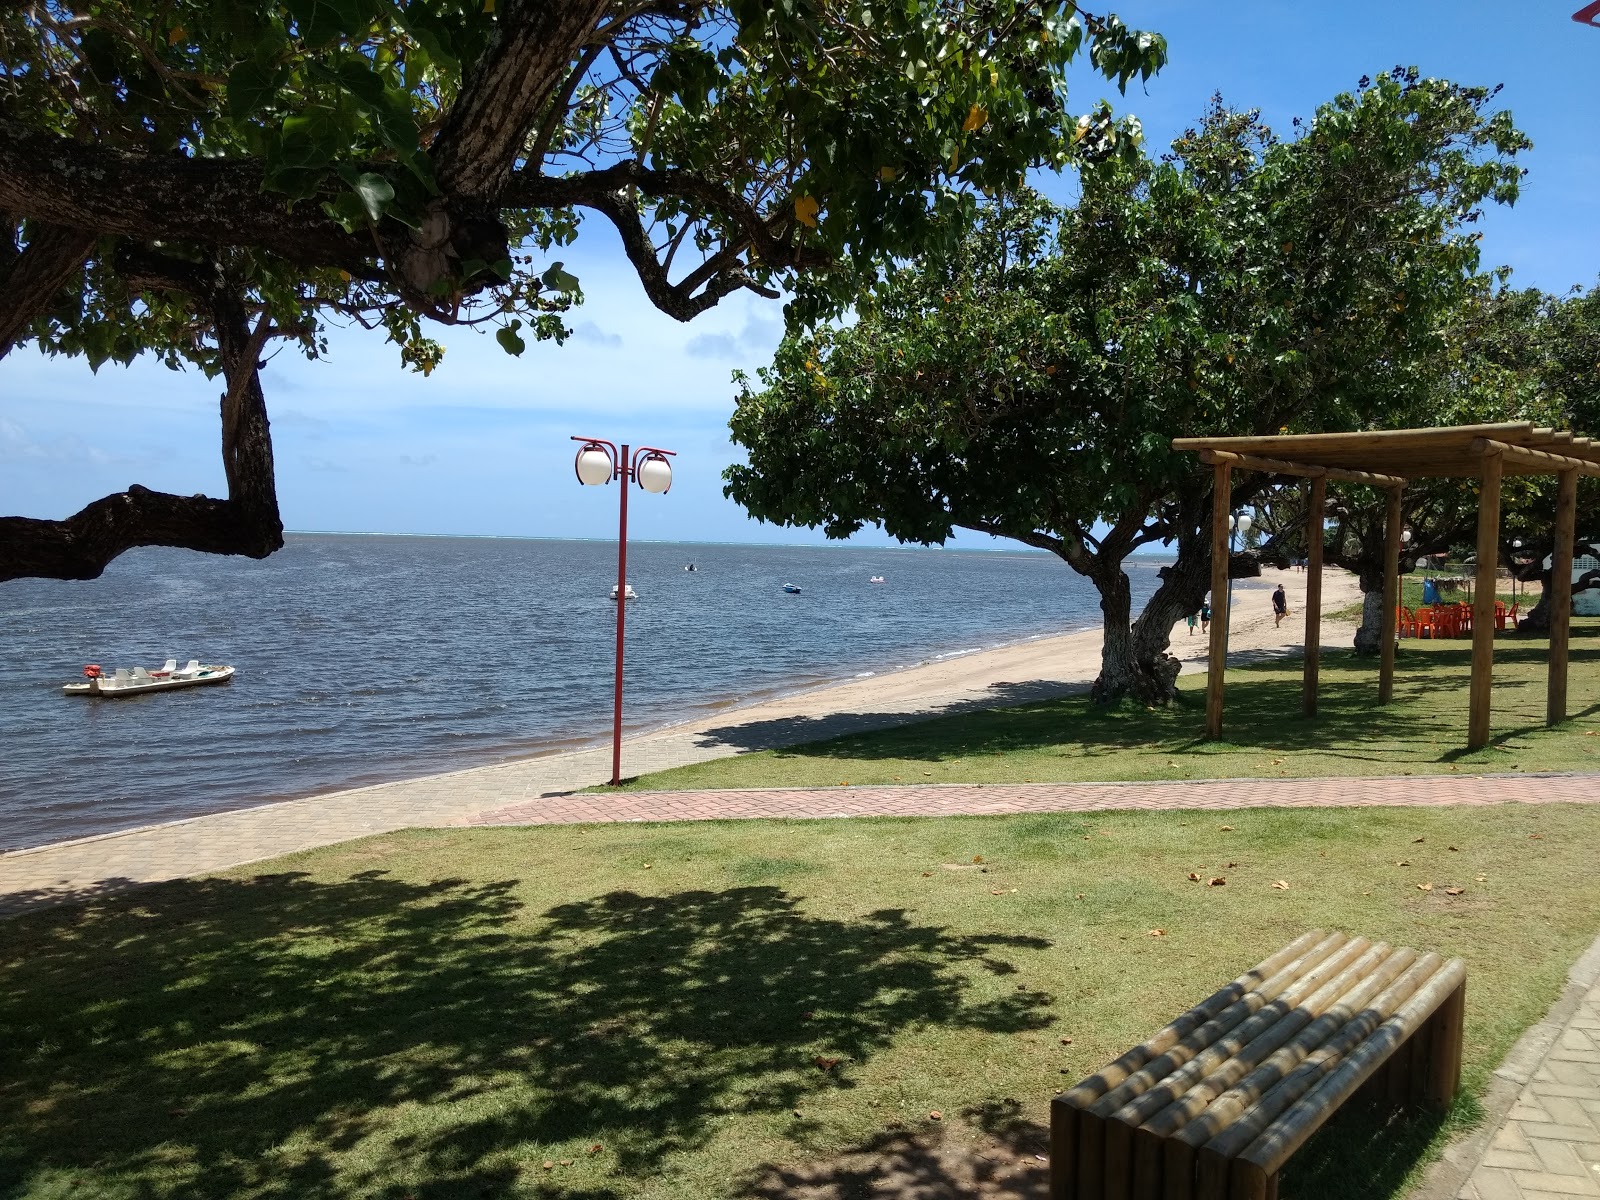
{"points": [[196, 178], [1029, 384], [1505, 355]]}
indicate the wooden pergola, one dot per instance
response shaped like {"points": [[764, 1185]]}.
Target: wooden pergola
{"points": [[1387, 459]]}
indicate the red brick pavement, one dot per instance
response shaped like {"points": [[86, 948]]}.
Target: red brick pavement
{"points": [[953, 799]]}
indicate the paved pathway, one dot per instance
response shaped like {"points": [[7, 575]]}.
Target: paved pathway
{"points": [[543, 794], [1547, 1143], [958, 798]]}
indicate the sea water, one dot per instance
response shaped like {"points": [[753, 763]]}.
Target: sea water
{"points": [[365, 658]]}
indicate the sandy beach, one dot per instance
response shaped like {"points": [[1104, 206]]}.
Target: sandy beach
{"points": [[1030, 670]]}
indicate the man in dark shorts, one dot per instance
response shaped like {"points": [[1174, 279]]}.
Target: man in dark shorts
{"points": [[1280, 606]]}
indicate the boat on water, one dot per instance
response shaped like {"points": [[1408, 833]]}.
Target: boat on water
{"points": [[691, 567], [791, 589], [628, 593], [877, 579], [123, 682]]}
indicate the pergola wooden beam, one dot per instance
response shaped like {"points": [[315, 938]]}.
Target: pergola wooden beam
{"points": [[1483, 603], [1314, 520], [1541, 460], [1276, 466], [1217, 658], [1561, 597], [1391, 596]]}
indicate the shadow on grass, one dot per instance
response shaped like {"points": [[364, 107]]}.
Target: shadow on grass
{"points": [[282, 1036], [1427, 723], [1363, 1151]]}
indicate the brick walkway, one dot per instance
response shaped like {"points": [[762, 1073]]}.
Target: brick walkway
{"points": [[953, 799], [1548, 1145]]}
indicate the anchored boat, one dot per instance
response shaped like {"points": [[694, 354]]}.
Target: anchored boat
{"points": [[123, 682]]}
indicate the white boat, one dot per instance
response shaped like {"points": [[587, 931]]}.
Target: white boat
{"points": [[876, 579], [629, 594], [123, 682]]}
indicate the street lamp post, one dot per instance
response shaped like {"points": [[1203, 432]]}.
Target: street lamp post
{"points": [[599, 462], [1515, 546]]}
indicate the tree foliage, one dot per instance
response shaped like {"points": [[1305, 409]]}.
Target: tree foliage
{"points": [[1505, 355], [166, 169], [1029, 384]]}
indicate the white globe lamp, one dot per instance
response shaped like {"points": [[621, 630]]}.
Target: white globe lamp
{"points": [[655, 474], [593, 466]]}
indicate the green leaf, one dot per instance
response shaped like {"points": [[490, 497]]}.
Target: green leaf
{"points": [[510, 341], [375, 192], [252, 87], [559, 280]]}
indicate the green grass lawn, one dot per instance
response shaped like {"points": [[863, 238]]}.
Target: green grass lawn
{"points": [[1423, 732], [644, 1008]]}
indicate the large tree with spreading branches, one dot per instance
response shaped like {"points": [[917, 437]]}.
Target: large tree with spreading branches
{"points": [[1505, 354], [1029, 385], [197, 178]]}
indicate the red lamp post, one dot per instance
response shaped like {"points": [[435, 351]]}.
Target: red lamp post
{"points": [[599, 462]]}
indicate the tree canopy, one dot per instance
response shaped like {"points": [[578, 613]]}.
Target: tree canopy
{"points": [[197, 178], [1029, 384], [1506, 354]]}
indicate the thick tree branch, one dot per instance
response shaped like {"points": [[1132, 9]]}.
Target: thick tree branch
{"points": [[31, 280], [526, 62], [165, 197], [246, 523]]}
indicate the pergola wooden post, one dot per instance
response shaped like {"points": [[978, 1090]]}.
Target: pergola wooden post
{"points": [[1483, 602], [1486, 452], [1391, 595], [1319, 504], [1561, 597], [1217, 659]]}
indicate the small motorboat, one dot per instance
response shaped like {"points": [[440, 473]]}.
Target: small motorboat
{"points": [[628, 593], [691, 567], [877, 579], [791, 589], [123, 682]]}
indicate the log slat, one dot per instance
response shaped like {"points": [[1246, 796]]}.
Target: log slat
{"points": [[1181, 1051], [1289, 1132]]}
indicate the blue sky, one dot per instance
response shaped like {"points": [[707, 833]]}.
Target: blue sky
{"points": [[482, 446]]}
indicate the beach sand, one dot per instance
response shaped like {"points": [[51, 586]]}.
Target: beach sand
{"points": [[1033, 670]]}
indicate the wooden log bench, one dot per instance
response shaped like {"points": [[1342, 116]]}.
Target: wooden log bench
{"points": [[1212, 1106]]}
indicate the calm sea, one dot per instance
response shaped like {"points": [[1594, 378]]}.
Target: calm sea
{"points": [[364, 659]]}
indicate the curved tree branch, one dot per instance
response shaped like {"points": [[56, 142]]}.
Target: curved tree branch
{"points": [[246, 523], [29, 281]]}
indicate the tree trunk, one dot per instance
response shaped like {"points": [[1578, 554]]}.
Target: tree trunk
{"points": [[1133, 659], [1369, 637], [1537, 618]]}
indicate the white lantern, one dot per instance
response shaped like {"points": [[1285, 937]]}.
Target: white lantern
{"points": [[655, 474], [1405, 537], [594, 466], [1244, 524]]}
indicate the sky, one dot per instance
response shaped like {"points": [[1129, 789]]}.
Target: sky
{"points": [[482, 446]]}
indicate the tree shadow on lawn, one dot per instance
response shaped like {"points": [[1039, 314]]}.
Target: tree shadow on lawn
{"points": [[283, 1036], [1363, 1151], [1261, 714]]}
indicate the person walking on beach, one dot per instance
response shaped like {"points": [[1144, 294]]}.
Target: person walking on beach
{"points": [[1205, 616], [1280, 606], [1192, 618]]}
